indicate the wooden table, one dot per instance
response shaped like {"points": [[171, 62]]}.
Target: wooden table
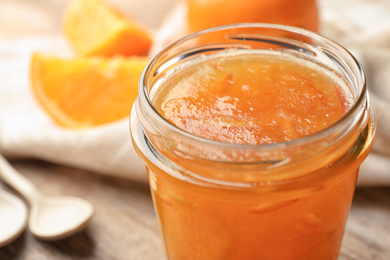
{"points": [[125, 226]]}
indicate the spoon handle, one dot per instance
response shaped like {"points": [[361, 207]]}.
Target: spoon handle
{"points": [[16, 180]]}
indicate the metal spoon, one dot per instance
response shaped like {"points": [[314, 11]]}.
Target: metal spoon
{"points": [[13, 217], [51, 218]]}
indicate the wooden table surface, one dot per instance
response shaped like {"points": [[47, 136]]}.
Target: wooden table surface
{"points": [[125, 226]]}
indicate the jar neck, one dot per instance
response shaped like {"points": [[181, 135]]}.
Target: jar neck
{"points": [[278, 163]]}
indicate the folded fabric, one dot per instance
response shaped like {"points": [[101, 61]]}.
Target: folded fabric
{"points": [[26, 132]]}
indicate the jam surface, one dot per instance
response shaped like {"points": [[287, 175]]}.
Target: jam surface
{"points": [[253, 98]]}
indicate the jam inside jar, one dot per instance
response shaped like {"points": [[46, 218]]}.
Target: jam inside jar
{"points": [[252, 136]]}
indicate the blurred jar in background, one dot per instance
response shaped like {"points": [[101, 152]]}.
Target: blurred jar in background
{"points": [[204, 14]]}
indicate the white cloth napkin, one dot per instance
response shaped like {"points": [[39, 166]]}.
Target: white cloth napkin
{"points": [[363, 26]]}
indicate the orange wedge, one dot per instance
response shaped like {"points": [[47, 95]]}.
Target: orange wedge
{"points": [[85, 92], [93, 27]]}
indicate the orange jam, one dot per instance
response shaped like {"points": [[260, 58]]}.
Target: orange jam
{"points": [[253, 98]]}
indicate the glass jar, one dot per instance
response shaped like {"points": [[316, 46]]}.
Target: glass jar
{"points": [[217, 200]]}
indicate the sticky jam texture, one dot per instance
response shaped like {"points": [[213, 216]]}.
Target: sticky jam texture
{"points": [[253, 98]]}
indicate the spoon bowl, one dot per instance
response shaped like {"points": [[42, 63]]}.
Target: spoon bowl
{"points": [[13, 217], [54, 218]]}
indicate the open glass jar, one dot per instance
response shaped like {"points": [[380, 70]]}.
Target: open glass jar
{"points": [[287, 200]]}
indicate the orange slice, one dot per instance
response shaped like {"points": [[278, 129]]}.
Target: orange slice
{"points": [[85, 92], [93, 27]]}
